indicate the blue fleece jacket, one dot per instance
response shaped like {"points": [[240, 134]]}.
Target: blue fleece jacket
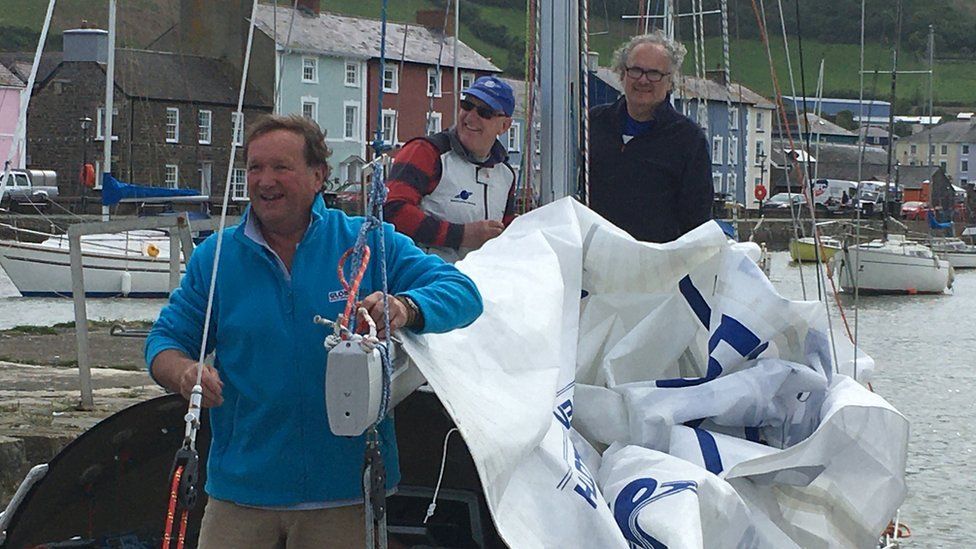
{"points": [[271, 441]]}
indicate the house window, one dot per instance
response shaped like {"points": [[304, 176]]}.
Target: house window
{"points": [[514, 135], [100, 124], [760, 151], [434, 123], [172, 176], [734, 118], [914, 149], [433, 82], [172, 125], [389, 126], [238, 184], [944, 150], [310, 70], [717, 182], [733, 150], [237, 128], [965, 149], [390, 79], [206, 177], [964, 166], [467, 80], [352, 74], [205, 126], [944, 166], [717, 155], [931, 149], [759, 121], [310, 108], [732, 181], [350, 121]]}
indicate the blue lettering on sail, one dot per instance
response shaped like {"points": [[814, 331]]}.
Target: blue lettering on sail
{"points": [[729, 330], [585, 485], [564, 413], [637, 495]]}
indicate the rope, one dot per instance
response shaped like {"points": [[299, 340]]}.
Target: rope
{"points": [[585, 95], [171, 514], [726, 61], [438, 79], [352, 289], [440, 476]]}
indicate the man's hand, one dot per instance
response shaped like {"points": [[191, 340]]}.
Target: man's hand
{"points": [[477, 233], [178, 373], [373, 303]]}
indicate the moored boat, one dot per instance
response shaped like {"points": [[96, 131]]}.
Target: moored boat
{"points": [[959, 254], [892, 266], [805, 248]]}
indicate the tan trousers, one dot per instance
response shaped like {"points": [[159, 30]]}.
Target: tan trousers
{"points": [[230, 526]]}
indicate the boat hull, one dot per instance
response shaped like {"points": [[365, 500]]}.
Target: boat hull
{"points": [[44, 271], [960, 260], [884, 272], [804, 249]]}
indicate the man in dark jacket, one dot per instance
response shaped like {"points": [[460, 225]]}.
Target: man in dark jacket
{"points": [[650, 170]]}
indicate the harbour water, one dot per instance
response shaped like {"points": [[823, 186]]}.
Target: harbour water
{"points": [[924, 347]]}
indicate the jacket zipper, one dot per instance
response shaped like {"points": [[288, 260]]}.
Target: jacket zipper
{"points": [[486, 201]]}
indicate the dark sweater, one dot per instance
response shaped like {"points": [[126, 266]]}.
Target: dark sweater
{"points": [[658, 186]]}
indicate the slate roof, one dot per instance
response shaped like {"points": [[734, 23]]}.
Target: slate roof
{"points": [[692, 87], [521, 101], [20, 62], [179, 77], [818, 124], [9, 79], [955, 131], [345, 36]]}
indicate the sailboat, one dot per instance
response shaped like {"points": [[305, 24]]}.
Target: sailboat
{"points": [[892, 264]]}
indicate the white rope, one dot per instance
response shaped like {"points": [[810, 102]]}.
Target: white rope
{"points": [[727, 60], [440, 476], [585, 118], [196, 396]]}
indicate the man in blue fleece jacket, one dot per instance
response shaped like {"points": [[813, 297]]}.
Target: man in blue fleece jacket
{"points": [[276, 473]]}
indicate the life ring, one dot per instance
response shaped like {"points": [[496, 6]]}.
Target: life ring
{"points": [[760, 192], [87, 175]]}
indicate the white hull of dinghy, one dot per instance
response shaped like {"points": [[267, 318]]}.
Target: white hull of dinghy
{"points": [[43, 270]]}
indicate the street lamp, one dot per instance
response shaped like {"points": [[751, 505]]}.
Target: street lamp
{"points": [[86, 124]]}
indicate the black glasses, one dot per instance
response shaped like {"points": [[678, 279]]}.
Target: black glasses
{"points": [[483, 112], [653, 75]]}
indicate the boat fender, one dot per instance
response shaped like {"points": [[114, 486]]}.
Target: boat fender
{"points": [[126, 279], [152, 250]]}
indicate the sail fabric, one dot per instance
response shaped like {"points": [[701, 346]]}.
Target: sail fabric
{"points": [[935, 223], [617, 393], [113, 191]]}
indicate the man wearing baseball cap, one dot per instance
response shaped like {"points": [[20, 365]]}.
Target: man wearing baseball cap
{"points": [[454, 190]]}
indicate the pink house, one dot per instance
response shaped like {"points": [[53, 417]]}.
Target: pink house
{"points": [[11, 88]]}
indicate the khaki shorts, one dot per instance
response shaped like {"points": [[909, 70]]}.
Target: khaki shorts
{"points": [[227, 525]]}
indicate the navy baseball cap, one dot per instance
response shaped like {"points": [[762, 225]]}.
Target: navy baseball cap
{"points": [[494, 92]]}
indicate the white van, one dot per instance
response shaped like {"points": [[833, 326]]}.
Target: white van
{"points": [[828, 194]]}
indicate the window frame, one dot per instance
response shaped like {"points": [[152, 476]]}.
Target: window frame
{"points": [[394, 130], [355, 73], [717, 180], [466, 75], [175, 124], [314, 102], [100, 123], [314, 78], [720, 147], [733, 150], [201, 126], [734, 118], [435, 88], [514, 133], [355, 125], [435, 128], [237, 134], [173, 183], [394, 86], [242, 185]]}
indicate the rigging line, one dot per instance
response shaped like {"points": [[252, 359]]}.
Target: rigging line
{"points": [[585, 96], [194, 409], [805, 136], [860, 163], [727, 69], [281, 58], [431, 93], [760, 14], [400, 69]]}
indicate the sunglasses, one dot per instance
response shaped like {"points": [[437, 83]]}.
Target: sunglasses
{"points": [[483, 112]]}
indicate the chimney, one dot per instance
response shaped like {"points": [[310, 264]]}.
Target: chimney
{"points": [[717, 75], [86, 45], [310, 7], [434, 21]]}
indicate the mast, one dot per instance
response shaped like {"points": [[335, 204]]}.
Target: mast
{"points": [[109, 96], [891, 125], [559, 77], [931, 76]]}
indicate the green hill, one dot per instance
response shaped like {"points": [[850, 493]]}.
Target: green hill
{"points": [[498, 32]]}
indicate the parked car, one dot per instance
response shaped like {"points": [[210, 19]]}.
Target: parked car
{"points": [[782, 201], [30, 187], [914, 210]]}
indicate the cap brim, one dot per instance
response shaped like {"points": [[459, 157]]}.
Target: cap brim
{"points": [[486, 99]]}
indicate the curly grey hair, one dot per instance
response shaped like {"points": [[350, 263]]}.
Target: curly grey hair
{"points": [[676, 52]]}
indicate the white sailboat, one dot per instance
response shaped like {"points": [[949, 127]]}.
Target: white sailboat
{"points": [[959, 254], [892, 266]]}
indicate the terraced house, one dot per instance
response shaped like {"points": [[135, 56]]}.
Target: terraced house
{"points": [[951, 146], [327, 68]]}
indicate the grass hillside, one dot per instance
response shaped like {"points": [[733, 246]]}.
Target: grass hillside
{"points": [[955, 80]]}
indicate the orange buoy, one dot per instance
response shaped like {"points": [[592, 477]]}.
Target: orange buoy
{"points": [[87, 175]]}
